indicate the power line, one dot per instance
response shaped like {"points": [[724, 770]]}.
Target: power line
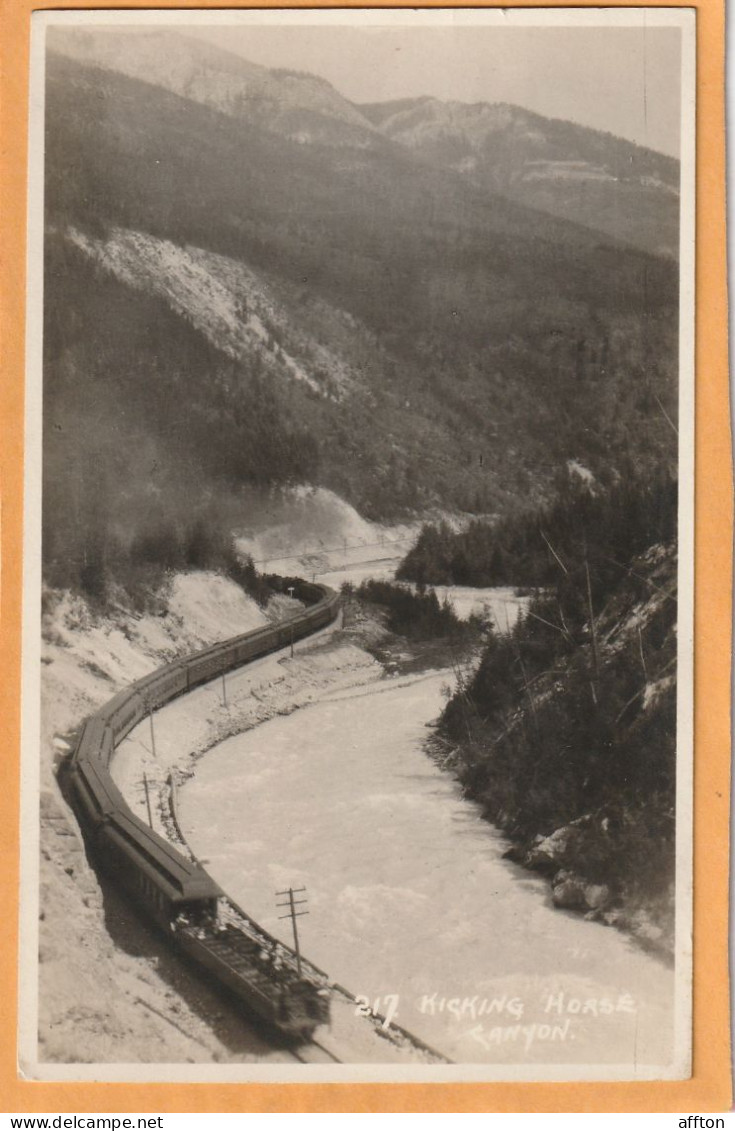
{"points": [[293, 915]]}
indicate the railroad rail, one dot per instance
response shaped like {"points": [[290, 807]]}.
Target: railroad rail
{"points": [[170, 885], [315, 1053]]}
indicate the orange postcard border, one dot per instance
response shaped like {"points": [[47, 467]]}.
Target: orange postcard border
{"points": [[709, 1088]]}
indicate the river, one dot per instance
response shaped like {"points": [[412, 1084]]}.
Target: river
{"points": [[409, 900]]}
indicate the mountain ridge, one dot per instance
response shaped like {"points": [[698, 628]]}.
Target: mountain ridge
{"points": [[615, 187], [386, 111], [286, 102], [341, 316], [607, 183]]}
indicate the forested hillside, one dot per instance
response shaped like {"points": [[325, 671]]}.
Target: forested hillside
{"points": [[235, 299], [613, 186], [537, 547], [566, 732]]}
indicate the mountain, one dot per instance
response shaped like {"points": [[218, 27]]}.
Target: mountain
{"points": [[302, 107], [583, 175], [624, 190], [230, 304]]}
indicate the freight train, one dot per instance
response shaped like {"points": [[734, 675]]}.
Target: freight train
{"points": [[170, 888]]}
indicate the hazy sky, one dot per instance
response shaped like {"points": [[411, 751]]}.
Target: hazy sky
{"points": [[622, 79]]}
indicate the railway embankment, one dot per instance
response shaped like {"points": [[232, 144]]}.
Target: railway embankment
{"points": [[186, 728], [110, 991], [108, 988], [161, 753]]}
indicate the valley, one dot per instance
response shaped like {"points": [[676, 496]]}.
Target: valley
{"points": [[409, 894], [290, 333], [335, 310]]}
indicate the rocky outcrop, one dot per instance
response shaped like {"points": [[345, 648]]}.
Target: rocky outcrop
{"points": [[555, 856]]}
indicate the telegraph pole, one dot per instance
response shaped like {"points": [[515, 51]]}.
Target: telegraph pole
{"points": [[293, 915], [147, 798], [153, 736], [290, 593]]}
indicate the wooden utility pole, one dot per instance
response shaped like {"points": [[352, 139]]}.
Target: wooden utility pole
{"points": [[293, 915], [147, 798], [153, 735], [290, 593]]}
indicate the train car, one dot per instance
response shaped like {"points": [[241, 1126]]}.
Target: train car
{"points": [[202, 669], [162, 685], [122, 713], [305, 1009], [207, 665], [211, 662], [151, 870], [175, 892], [94, 795], [244, 650], [294, 1004], [93, 741], [182, 899]]}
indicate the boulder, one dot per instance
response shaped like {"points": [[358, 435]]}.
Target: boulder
{"points": [[517, 853], [568, 891], [575, 893], [553, 850], [541, 861], [560, 848], [596, 896]]}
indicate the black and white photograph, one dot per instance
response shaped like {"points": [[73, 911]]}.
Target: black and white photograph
{"points": [[357, 705]]}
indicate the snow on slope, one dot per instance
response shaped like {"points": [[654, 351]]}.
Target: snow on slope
{"points": [[101, 994], [87, 659], [310, 529]]}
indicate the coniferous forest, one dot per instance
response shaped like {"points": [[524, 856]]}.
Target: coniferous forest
{"points": [[566, 731], [348, 313], [254, 284]]}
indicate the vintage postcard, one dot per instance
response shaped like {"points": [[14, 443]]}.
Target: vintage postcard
{"points": [[357, 740]]}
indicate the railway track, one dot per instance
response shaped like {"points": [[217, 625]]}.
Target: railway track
{"points": [[174, 890], [315, 1053], [170, 888]]}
